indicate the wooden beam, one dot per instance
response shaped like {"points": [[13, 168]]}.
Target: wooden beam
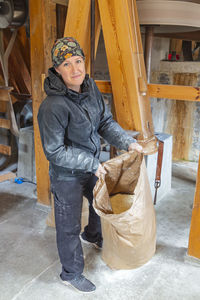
{"points": [[3, 106], [78, 25], [116, 64], [18, 69], [4, 123], [49, 31], [7, 176], [4, 93], [61, 13], [177, 92], [104, 86], [6, 150], [42, 36], [126, 65], [25, 44], [61, 2], [194, 238]]}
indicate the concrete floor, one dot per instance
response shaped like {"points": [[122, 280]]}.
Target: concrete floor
{"points": [[30, 265]]}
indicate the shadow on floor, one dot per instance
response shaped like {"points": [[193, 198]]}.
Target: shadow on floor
{"points": [[171, 252], [10, 201]]}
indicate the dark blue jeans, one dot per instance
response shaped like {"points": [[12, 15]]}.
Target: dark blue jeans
{"points": [[68, 199]]}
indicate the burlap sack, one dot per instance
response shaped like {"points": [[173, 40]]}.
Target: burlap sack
{"points": [[129, 235]]}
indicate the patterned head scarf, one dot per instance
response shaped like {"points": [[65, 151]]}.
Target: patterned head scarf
{"points": [[64, 48]]}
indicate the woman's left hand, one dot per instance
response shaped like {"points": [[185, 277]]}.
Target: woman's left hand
{"points": [[135, 147]]}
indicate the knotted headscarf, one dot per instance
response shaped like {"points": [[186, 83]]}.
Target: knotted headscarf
{"points": [[64, 48]]}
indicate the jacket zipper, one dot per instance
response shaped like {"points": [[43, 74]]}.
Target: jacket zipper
{"points": [[91, 130]]}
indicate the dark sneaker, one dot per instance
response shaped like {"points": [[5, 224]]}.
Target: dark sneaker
{"points": [[81, 284], [97, 244]]}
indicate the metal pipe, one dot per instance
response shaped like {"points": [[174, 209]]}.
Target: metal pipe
{"points": [[92, 39], [149, 34]]}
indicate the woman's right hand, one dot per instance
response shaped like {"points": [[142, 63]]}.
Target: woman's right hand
{"points": [[100, 170]]}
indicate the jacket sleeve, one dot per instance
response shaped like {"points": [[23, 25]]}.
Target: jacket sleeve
{"points": [[52, 132], [110, 130]]}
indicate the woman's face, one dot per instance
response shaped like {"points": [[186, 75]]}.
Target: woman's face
{"points": [[72, 71]]}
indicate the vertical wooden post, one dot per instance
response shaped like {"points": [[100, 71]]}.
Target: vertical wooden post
{"points": [[194, 238], [78, 25], [42, 36]]}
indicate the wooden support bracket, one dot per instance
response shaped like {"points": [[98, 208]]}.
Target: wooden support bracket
{"points": [[177, 92]]}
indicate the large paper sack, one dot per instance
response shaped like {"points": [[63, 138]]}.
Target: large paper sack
{"points": [[123, 201]]}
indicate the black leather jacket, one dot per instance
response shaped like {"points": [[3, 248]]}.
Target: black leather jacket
{"points": [[71, 124]]}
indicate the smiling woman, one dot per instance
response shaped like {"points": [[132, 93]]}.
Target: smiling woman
{"points": [[72, 71], [71, 120]]}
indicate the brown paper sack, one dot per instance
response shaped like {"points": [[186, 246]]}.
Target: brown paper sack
{"points": [[123, 201]]}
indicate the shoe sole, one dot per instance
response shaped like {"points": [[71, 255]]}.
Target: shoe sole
{"points": [[77, 290], [89, 243]]}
